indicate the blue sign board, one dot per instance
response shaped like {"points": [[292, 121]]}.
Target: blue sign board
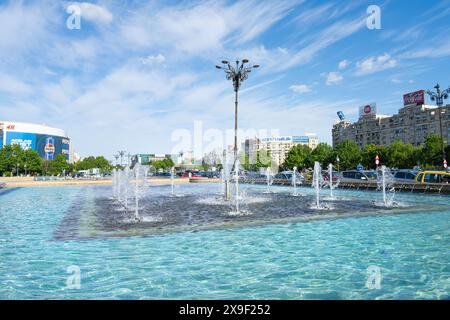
{"points": [[360, 167], [303, 139], [47, 146], [24, 140]]}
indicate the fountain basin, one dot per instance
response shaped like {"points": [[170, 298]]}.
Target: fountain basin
{"points": [[201, 209]]}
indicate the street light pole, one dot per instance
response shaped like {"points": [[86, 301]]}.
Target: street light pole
{"points": [[439, 98], [236, 74], [121, 154]]}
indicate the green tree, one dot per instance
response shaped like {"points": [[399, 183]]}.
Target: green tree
{"points": [[431, 151], [164, 164], [57, 166], [91, 162], [369, 152], [299, 156], [11, 158], [204, 166], [103, 164], [262, 160], [323, 153], [402, 155], [349, 155], [32, 161]]}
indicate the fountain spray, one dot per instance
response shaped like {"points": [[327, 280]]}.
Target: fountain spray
{"points": [[127, 173], [236, 185], [268, 174], [294, 180], [386, 184], [317, 182], [172, 173], [136, 192]]}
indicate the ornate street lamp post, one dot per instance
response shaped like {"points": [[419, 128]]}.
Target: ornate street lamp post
{"points": [[121, 154], [237, 74], [439, 97]]}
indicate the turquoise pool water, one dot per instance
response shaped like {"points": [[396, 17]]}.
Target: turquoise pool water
{"points": [[325, 259]]}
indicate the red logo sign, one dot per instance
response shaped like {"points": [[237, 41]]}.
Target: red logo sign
{"points": [[416, 98], [367, 109], [10, 126], [49, 148]]}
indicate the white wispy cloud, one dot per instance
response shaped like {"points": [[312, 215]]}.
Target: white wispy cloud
{"points": [[11, 84], [375, 64], [23, 27], [324, 39], [93, 12], [442, 49], [332, 78], [300, 88], [343, 64], [202, 27], [155, 59]]}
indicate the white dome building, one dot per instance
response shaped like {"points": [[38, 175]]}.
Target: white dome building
{"points": [[47, 141]]}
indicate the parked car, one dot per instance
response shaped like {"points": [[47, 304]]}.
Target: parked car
{"points": [[287, 175], [326, 177], [433, 177], [255, 175], [404, 175], [355, 175], [162, 174], [193, 175]]}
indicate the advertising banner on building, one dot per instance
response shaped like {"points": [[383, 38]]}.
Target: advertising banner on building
{"points": [[300, 139], [414, 98], [277, 139], [47, 146], [368, 109], [24, 140]]}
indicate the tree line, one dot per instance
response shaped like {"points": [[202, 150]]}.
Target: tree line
{"points": [[396, 155], [16, 161]]}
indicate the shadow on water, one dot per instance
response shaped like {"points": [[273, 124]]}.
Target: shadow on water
{"points": [[5, 191]]}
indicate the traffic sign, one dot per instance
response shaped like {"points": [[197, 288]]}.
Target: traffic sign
{"points": [[360, 167], [377, 160]]}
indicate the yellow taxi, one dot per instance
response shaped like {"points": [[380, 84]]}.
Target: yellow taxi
{"points": [[433, 177]]}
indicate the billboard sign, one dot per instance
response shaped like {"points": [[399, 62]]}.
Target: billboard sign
{"points": [[277, 139], [24, 140], [368, 109], [300, 139], [414, 98], [47, 146], [341, 115]]}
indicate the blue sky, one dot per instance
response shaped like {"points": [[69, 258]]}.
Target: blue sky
{"points": [[137, 71]]}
